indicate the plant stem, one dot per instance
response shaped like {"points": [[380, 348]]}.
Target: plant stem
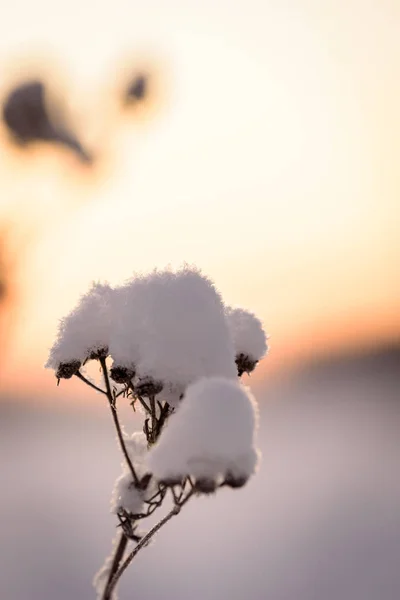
{"points": [[118, 556], [92, 385], [143, 542], [116, 420], [153, 419]]}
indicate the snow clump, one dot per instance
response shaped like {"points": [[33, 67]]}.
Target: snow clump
{"points": [[249, 338], [211, 437], [171, 330], [84, 333]]}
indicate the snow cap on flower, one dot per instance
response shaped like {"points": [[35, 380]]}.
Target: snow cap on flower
{"points": [[211, 437], [249, 338], [172, 329], [84, 333], [129, 328]]}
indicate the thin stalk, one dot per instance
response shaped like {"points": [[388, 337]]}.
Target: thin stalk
{"points": [[92, 385], [143, 542], [118, 556], [154, 422], [143, 403], [116, 420]]}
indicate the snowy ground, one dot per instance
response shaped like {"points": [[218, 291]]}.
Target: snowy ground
{"points": [[321, 520]]}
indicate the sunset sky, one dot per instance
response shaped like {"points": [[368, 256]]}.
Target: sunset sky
{"points": [[271, 162]]}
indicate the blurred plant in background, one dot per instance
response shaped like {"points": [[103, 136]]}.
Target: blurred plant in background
{"points": [[177, 352], [38, 115], [29, 119], [9, 263]]}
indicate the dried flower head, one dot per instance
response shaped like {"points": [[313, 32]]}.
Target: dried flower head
{"points": [[147, 387], [68, 369], [245, 364], [249, 338], [122, 374]]}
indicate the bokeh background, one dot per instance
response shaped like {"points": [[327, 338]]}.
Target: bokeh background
{"points": [[263, 147]]}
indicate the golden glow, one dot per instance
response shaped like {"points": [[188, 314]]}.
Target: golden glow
{"points": [[271, 163]]}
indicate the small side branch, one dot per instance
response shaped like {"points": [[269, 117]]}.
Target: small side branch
{"points": [[143, 542], [116, 420], [89, 383]]}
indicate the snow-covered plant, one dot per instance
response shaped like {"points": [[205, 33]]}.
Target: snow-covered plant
{"points": [[167, 343], [249, 339]]}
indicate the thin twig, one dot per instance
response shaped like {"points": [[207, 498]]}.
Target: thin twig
{"points": [[143, 403], [116, 420], [143, 542], [118, 556], [153, 419], [189, 495], [92, 385]]}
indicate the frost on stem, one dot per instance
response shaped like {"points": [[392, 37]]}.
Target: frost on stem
{"points": [[249, 338], [100, 580], [172, 330], [126, 495], [84, 334], [211, 438]]}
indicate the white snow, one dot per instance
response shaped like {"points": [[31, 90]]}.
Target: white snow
{"points": [[124, 494], [249, 337], [172, 328], [172, 394], [212, 434], [86, 329], [129, 327]]}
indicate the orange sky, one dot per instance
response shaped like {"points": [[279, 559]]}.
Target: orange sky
{"points": [[272, 163]]}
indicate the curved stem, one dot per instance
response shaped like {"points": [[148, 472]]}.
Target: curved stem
{"points": [[118, 556], [92, 385], [143, 542], [116, 420]]}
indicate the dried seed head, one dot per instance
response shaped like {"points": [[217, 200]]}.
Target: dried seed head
{"points": [[235, 482], [147, 387], [121, 374], [98, 353], [205, 485], [68, 369], [245, 364]]}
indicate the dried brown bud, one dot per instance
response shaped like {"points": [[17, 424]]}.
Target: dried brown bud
{"points": [[235, 481], [67, 370], [97, 353], [147, 387], [121, 374], [245, 364], [205, 485]]}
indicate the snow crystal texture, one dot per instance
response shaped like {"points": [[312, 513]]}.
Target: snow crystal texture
{"points": [[248, 335], [172, 328], [211, 434], [86, 329]]}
